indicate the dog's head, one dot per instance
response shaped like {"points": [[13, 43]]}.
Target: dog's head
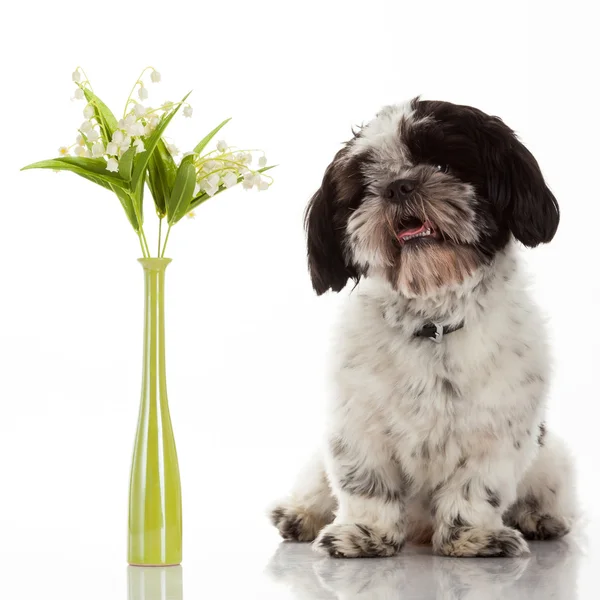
{"points": [[424, 195]]}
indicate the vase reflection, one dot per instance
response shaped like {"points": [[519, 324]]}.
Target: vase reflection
{"points": [[155, 583]]}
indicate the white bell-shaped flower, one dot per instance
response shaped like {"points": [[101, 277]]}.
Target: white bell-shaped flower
{"points": [[97, 149], [248, 182], [112, 148], [173, 149], [229, 179], [112, 164]]}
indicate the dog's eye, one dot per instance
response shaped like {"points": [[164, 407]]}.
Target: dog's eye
{"points": [[442, 168]]}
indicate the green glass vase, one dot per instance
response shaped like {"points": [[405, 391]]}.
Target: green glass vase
{"points": [[155, 525]]}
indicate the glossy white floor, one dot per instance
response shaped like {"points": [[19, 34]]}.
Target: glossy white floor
{"points": [[234, 562]]}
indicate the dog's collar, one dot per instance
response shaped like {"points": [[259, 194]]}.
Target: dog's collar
{"points": [[435, 331]]}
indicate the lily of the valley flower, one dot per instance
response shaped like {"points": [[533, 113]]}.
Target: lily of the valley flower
{"points": [[85, 127], [98, 150], [210, 185], [88, 111], [187, 111], [124, 145], [229, 179], [76, 76], [191, 215], [79, 140], [139, 145], [151, 124], [118, 137], [221, 145], [93, 135], [155, 76], [81, 151], [173, 149], [262, 161], [142, 92], [139, 110], [112, 165], [248, 182], [112, 148], [79, 95], [255, 180], [63, 151]]}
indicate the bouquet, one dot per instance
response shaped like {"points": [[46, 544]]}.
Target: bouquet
{"points": [[127, 154]]}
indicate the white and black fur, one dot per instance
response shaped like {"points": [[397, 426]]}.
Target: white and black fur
{"points": [[442, 442]]}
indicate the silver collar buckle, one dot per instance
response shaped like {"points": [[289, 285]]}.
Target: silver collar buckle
{"points": [[439, 333]]}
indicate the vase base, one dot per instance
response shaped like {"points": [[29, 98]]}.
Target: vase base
{"points": [[156, 565]]}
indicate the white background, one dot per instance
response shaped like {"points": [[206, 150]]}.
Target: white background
{"points": [[247, 337]]}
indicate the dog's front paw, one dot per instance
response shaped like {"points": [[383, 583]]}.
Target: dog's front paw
{"points": [[355, 541], [472, 541]]}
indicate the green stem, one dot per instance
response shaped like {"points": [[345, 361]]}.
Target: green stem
{"points": [[162, 255], [145, 242], [159, 235], [139, 80], [144, 253]]}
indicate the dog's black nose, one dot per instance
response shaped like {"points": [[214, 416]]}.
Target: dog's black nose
{"points": [[400, 189]]}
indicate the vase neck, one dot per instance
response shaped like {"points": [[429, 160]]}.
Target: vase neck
{"points": [[154, 264], [154, 328]]}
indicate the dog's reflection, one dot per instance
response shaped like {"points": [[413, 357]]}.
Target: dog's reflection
{"points": [[155, 583], [549, 572]]}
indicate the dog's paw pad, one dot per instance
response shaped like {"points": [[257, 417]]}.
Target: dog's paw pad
{"points": [[472, 541], [354, 541]]}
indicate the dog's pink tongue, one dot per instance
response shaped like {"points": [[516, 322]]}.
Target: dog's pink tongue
{"points": [[407, 232]]}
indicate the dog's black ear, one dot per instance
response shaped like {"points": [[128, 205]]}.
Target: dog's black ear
{"points": [[325, 222], [518, 188]]}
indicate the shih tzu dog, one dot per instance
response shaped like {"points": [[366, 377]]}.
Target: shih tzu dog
{"points": [[436, 425]]}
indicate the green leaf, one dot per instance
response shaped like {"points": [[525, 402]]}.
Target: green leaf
{"points": [[206, 139], [86, 167], [201, 198], [126, 163], [138, 198], [183, 190], [103, 114], [141, 160], [161, 176], [94, 170], [127, 203]]}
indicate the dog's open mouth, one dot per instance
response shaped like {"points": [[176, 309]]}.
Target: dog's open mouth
{"points": [[414, 230]]}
